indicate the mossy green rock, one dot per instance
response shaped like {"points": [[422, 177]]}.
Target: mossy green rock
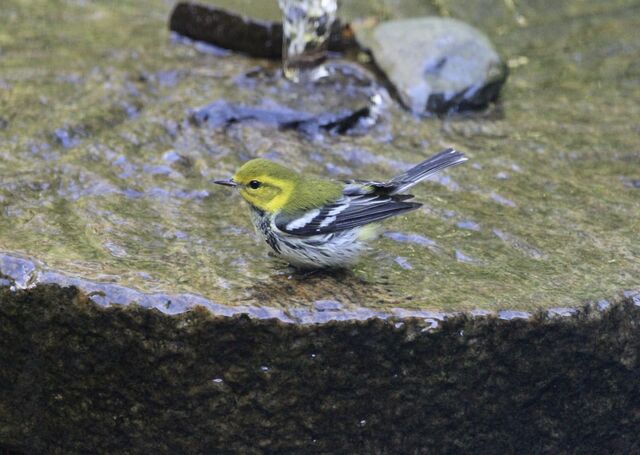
{"points": [[76, 378]]}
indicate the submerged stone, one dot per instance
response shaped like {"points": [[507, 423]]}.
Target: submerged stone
{"points": [[468, 224], [410, 238], [222, 114], [461, 257], [66, 138], [350, 101], [403, 262], [436, 64]]}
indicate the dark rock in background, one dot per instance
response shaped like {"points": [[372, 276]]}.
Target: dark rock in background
{"points": [[437, 65], [77, 378], [229, 30]]}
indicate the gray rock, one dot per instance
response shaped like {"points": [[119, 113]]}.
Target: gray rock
{"points": [[327, 305], [508, 315], [436, 64]]}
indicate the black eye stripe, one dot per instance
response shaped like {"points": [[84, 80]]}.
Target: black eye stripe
{"points": [[254, 184]]}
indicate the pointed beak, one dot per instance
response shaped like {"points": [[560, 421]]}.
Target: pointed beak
{"points": [[228, 182]]}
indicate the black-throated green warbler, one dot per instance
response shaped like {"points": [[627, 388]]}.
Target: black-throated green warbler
{"points": [[314, 223]]}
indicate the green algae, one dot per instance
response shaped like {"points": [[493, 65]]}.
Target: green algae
{"points": [[102, 176]]}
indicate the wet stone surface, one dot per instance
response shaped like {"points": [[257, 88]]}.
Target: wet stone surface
{"points": [[311, 108], [104, 176]]}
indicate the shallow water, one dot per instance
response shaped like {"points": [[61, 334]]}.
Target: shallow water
{"points": [[104, 177]]}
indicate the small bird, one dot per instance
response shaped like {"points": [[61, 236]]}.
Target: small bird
{"points": [[315, 223]]}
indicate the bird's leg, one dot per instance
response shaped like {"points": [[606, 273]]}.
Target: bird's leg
{"points": [[303, 273]]}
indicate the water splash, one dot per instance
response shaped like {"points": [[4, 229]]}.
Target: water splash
{"points": [[307, 26]]}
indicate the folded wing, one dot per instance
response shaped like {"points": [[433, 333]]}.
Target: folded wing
{"points": [[366, 202], [350, 211]]}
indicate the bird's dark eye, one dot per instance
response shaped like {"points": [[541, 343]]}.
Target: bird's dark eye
{"points": [[254, 184]]}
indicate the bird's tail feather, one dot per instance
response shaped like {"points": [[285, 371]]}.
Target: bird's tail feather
{"points": [[428, 167]]}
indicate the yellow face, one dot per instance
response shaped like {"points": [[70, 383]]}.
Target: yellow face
{"points": [[265, 184], [271, 187], [264, 192]]}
